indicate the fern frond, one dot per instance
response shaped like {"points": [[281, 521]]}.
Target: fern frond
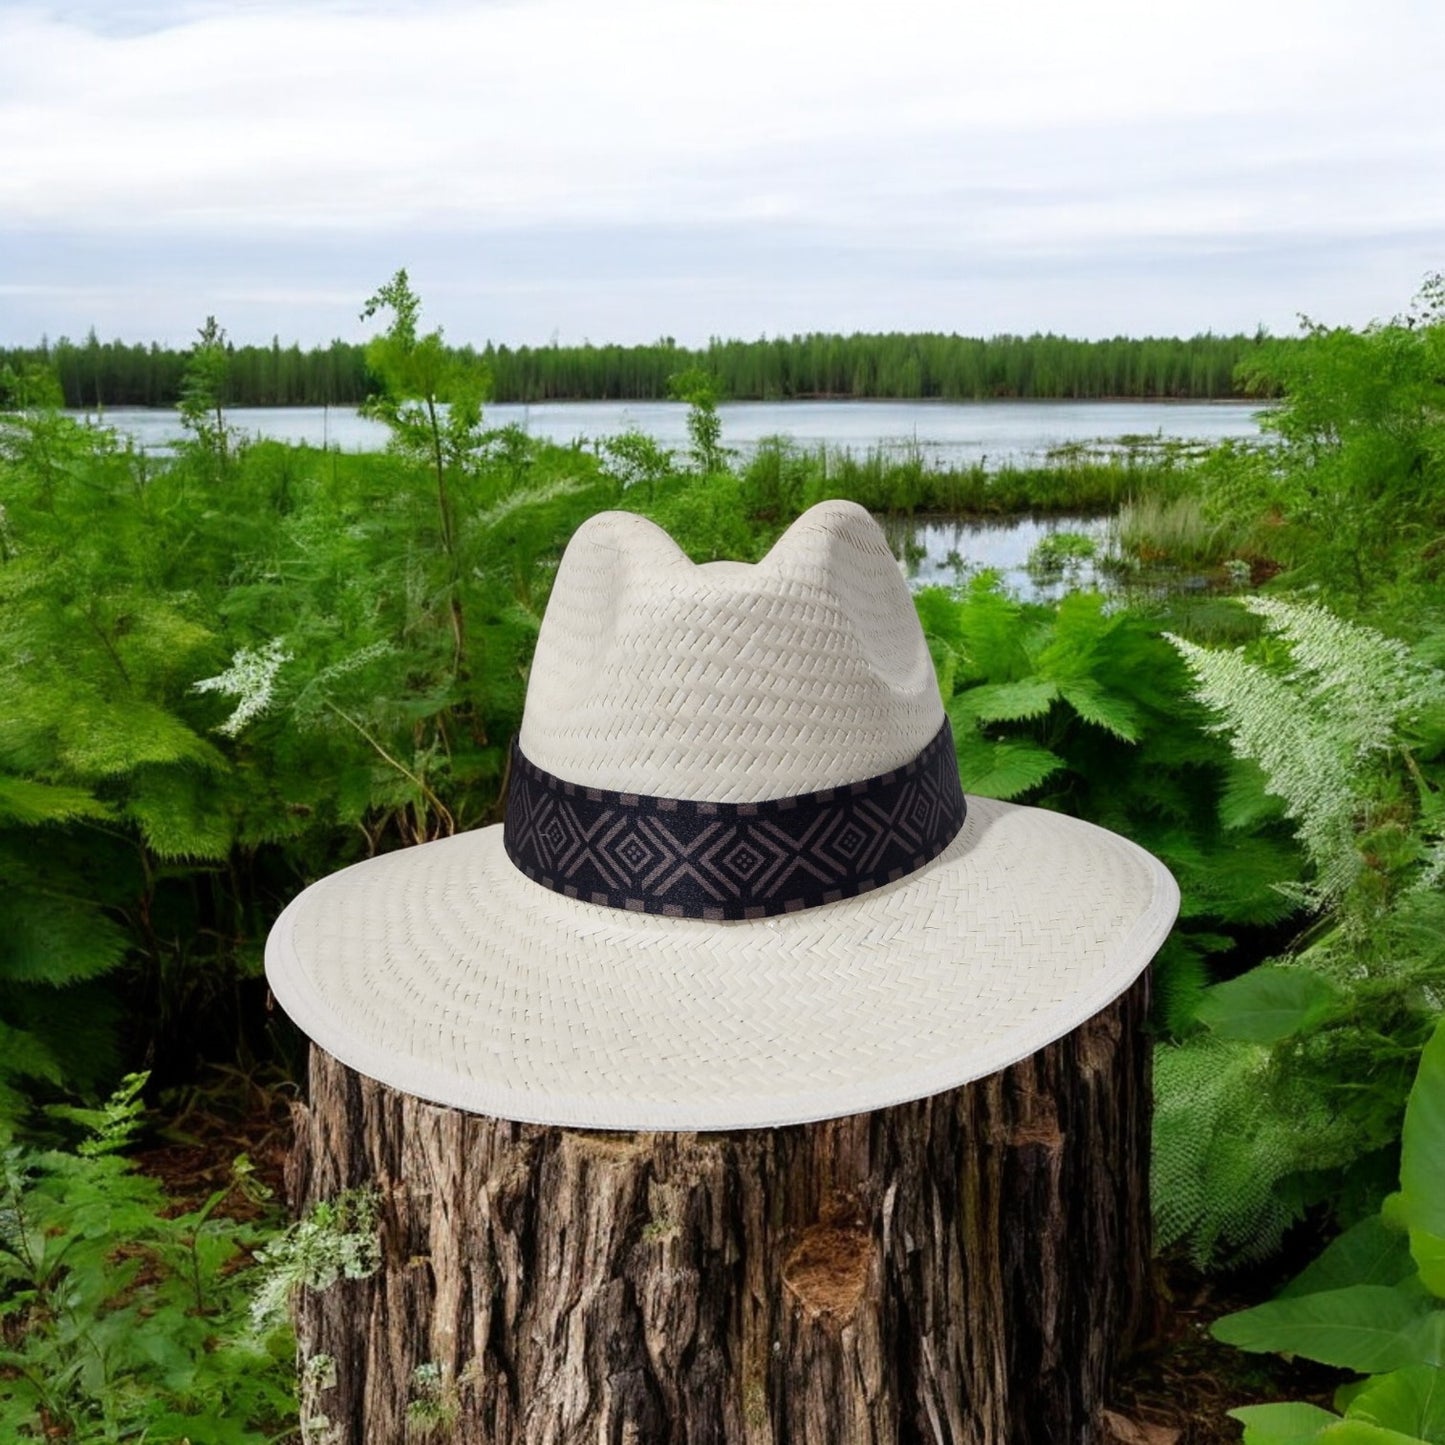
{"points": [[24, 801], [1270, 721], [179, 813], [251, 680], [1106, 710], [991, 635], [1316, 723], [24, 1055], [49, 939], [532, 503], [1233, 1140], [102, 741], [1368, 683], [1246, 800]]}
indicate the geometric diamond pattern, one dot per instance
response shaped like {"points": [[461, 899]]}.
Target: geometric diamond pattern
{"points": [[732, 860]]}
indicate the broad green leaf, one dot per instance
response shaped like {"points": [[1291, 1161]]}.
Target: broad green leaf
{"points": [[1106, 710], [1411, 1401], [1368, 1253], [1006, 701], [1004, 769], [1365, 1327], [1268, 1004], [1345, 1394], [1428, 1339], [1361, 1432], [1429, 1255], [1422, 1163], [1291, 1422]]}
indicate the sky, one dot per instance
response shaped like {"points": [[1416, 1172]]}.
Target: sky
{"points": [[621, 170]]}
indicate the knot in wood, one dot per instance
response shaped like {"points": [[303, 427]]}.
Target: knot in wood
{"points": [[827, 1271]]}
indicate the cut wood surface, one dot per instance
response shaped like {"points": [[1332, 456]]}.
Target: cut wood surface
{"points": [[964, 1268]]}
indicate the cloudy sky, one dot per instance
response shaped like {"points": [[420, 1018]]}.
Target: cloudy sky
{"points": [[618, 170]]}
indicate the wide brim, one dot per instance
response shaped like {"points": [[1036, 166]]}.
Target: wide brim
{"points": [[443, 972]]}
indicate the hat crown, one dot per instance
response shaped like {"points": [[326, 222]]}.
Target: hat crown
{"points": [[725, 681]]}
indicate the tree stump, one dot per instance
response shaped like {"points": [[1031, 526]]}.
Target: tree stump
{"points": [[964, 1268]]}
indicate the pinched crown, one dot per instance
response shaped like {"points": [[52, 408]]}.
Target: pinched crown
{"points": [[726, 681]]}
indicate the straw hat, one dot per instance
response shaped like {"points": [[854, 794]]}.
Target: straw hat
{"points": [[738, 884]]}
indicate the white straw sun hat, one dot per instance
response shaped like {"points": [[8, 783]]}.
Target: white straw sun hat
{"points": [[738, 885]]}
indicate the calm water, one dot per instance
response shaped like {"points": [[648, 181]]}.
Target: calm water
{"points": [[945, 433], [947, 551]]}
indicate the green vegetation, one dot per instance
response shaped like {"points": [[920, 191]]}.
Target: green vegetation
{"points": [[1301, 1067], [95, 374], [1373, 1303], [952, 368], [785, 479], [203, 393], [234, 670], [1350, 498], [1154, 530], [124, 1320], [704, 426], [1061, 555]]}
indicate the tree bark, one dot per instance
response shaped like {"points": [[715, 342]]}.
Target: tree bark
{"points": [[964, 1268]]}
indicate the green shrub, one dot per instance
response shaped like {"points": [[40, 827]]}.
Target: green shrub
{"points": [[120, 1319], [1373, 1303], [1301, 1068]]}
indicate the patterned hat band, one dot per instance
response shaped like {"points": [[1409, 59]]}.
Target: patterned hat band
{"points": [[690, 859]]}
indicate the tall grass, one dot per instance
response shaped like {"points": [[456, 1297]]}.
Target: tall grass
{"points": [[1172, 531], [782, 480]]}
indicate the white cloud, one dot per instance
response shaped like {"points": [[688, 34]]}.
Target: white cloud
{"points": [[561, 110], [1040, 128]]}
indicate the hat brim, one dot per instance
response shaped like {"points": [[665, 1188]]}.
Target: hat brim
{"points": [[442, 971]]}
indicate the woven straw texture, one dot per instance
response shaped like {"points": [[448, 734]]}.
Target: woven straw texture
{"points": [[729, 682], [446, 973], [442, 971]]}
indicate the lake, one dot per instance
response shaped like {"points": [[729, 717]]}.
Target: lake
{"points": [[946, 434]]}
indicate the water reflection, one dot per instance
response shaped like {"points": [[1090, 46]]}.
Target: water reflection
{"points": [[947, 551]]}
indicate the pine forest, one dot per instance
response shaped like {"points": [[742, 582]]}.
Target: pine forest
{"points": [[94, 375]]}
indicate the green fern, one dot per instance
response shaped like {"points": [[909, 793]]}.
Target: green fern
{"points": [[1316, 722], [1305, 1065], [26, 802], [1234, 1136], [126, 1312]]}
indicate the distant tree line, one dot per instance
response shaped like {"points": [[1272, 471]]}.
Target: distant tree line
{"points": [[93, 373], [896, 365]]}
